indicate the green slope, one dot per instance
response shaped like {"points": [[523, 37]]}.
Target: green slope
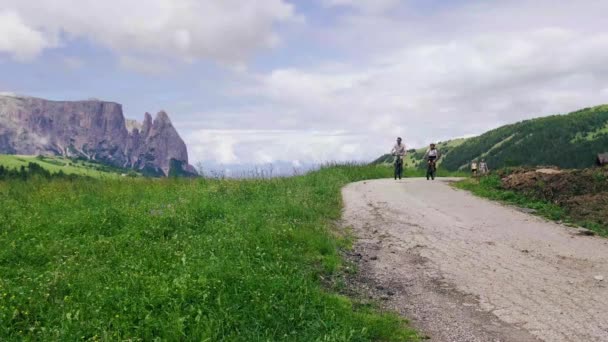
{"points": [[567, 141], [67, 166]]}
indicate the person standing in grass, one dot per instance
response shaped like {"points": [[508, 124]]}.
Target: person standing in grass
{"points": [[474, 168], [483, 167]]}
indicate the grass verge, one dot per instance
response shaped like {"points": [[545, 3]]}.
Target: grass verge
{"points": [[490, 187], [171, 259]]}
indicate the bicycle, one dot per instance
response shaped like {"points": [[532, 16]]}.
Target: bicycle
{"points": [[431, 169], [398, 167]]}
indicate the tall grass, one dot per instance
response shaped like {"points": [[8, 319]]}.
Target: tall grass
{"points": [[204, 260]]}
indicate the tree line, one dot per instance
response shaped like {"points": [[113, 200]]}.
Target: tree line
{"points": [[32, 170]]}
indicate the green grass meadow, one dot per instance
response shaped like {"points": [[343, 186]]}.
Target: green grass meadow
{"points": [[180, 259]]}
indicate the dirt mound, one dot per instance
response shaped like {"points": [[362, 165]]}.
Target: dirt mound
{"points": [[584, 193], [589, 207]]}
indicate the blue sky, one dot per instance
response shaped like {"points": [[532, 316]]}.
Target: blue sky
{"points": [[308, 81]]}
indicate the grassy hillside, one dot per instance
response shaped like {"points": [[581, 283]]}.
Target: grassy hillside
{"points": [[414, 157], [181, 259], [67, 166], [568, 141]]}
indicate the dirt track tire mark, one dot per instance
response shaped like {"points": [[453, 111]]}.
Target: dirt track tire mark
{"points": [[466, 269]]}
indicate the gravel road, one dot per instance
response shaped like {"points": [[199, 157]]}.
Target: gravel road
{"points": [[467, 269]]}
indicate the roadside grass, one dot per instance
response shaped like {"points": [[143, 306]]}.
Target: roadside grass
{"points": [[181, 259], [489, 187]]}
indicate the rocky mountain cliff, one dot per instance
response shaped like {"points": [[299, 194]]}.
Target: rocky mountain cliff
{"points": [[92, 129]]}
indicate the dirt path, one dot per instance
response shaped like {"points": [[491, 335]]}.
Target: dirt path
{"points": [[466, 269]]}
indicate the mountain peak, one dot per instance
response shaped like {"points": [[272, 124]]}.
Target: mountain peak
{"points": [[162, 117], [147, 117], [93, 129]]}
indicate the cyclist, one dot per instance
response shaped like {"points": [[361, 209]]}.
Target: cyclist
{"points": [[431, 156], [399, 151]]}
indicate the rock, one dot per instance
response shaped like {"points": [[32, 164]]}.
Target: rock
{"points": [[585, 232], [153, 148], [92, 129], [549, 171], [599, 277], [373, 258]]}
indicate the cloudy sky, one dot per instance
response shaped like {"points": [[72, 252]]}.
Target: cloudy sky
{"points": [[304, 81]]}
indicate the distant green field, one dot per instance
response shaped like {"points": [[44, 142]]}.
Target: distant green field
{"points": [[182, 259], [56, 164]]}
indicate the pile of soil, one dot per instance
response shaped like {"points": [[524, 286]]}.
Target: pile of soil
{"points": [[584, 193]]}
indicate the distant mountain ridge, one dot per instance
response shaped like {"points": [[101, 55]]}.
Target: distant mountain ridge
{"points": [[91, 129], [569, 141]]}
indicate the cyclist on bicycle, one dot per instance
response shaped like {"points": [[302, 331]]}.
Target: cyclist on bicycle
{"points": [[431, 156], [399, 151]]}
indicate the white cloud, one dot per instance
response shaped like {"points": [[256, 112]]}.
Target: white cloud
{"points": [[368, 6], [17, 39], [226, 31], [424, 70], [247, 146], [439, 84], [144, 66], [73, 63]]}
